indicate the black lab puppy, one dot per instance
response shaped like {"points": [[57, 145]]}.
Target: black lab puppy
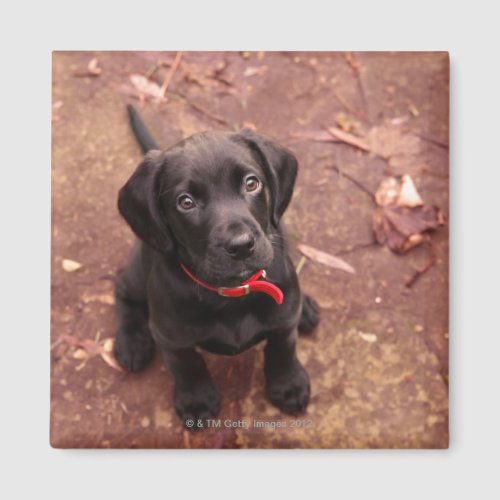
{"points": [[211, 270]]}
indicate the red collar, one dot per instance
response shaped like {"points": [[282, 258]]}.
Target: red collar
{"points": [[250, 285]]}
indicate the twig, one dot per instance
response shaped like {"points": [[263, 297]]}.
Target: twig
{"points": [[354, 64], [200, 109], [353, 180], [217, 74], [350, 139], [300, 265], [436, 142], [207, 113], [173, 68], [426, 266]]}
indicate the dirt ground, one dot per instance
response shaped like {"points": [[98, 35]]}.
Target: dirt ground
{"points": [[378, 361]]}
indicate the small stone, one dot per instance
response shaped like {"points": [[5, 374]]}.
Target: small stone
{"points": [[145, 422], [70, 265], [419, 328], [378, 300]]}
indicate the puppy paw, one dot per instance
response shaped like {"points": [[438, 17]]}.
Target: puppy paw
{"points": [[197, 404], [309, 318], [289, 391], [134, 351]]}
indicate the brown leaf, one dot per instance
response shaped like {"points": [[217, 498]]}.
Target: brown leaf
{"points": [[390, 140], [325, 258], [387, 192], [403, 228]]}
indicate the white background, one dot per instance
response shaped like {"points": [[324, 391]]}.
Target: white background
{"points": [[30, 31]]}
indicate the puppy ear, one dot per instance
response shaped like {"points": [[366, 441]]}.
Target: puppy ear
{"points": [[138, 203], [280, 168]]}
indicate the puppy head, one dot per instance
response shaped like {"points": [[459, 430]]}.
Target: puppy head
{"points": [[215, 199]]}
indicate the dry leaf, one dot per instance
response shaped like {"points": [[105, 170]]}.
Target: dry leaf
{"points": [[146, 87], [108, 344], [81, 354], [368, 337], [325, 258], [108, 356], [402, 221], [255, 70], [387, 192], [93, 68], [408, 194], [390, 141], [402, 193], [403, 228], [70, 265], [86, 348]]}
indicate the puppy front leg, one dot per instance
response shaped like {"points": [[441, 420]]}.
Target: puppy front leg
{"points": [[287, 383], [195, 396]]}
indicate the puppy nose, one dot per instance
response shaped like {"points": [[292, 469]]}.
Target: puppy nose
{"points": [[241, 246]]}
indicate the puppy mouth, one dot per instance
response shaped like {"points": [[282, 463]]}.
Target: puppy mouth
{"points": [[225, 278], [234, 274], [217, 269]]}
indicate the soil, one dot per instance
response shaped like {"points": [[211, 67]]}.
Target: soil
{"points": [[378, 361]]}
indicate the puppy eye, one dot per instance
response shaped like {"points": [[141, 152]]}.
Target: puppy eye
{"points": [[252, 184], [186, 202]]}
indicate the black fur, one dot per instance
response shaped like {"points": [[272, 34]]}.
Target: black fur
{"points": [[229, 233]]}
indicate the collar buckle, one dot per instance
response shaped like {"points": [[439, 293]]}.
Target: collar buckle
{"points": [[227, 292]]}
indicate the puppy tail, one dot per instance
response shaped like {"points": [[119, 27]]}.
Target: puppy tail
{"points": [[142, 134]]}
